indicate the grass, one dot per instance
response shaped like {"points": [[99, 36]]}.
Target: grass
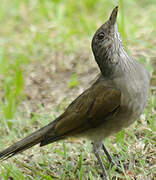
{"points": [[54, 37]]}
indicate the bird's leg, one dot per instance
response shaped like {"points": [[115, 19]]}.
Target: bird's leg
{"points": [[96, 149], [108, 155], [110, 159]]}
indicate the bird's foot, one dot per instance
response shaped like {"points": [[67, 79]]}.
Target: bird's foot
{"points": [[110, 159], [96, 148]]}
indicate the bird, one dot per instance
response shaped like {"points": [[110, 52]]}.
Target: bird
{"points": [[113, 102]]}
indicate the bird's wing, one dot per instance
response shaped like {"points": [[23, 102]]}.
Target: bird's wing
{"points": [[89, 110]]}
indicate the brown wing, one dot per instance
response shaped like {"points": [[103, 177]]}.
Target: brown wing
{"points": [[89, 110]]}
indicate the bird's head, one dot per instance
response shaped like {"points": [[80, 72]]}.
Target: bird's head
{"points": [[106, 41]]}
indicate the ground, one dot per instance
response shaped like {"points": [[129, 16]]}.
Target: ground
{"points": [[46, 62]]}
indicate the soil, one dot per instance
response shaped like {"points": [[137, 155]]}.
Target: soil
{"points": [[47, 81]]}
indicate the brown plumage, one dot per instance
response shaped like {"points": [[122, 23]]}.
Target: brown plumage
{"points": [[84, 113], [113, 102]]}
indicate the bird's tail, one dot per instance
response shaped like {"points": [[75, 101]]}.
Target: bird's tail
{"points": [[28, 142]]}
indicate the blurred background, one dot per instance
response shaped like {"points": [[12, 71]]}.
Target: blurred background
{"points": [[46, 61]]}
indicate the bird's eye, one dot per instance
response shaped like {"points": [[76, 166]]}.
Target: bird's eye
{"points": [[101, 36]]}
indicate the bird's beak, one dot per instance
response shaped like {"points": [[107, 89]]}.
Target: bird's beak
{"points": [[113, 16]]}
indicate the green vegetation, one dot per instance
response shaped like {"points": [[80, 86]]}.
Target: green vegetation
{"points": [[74, 81], [44, 44]]}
